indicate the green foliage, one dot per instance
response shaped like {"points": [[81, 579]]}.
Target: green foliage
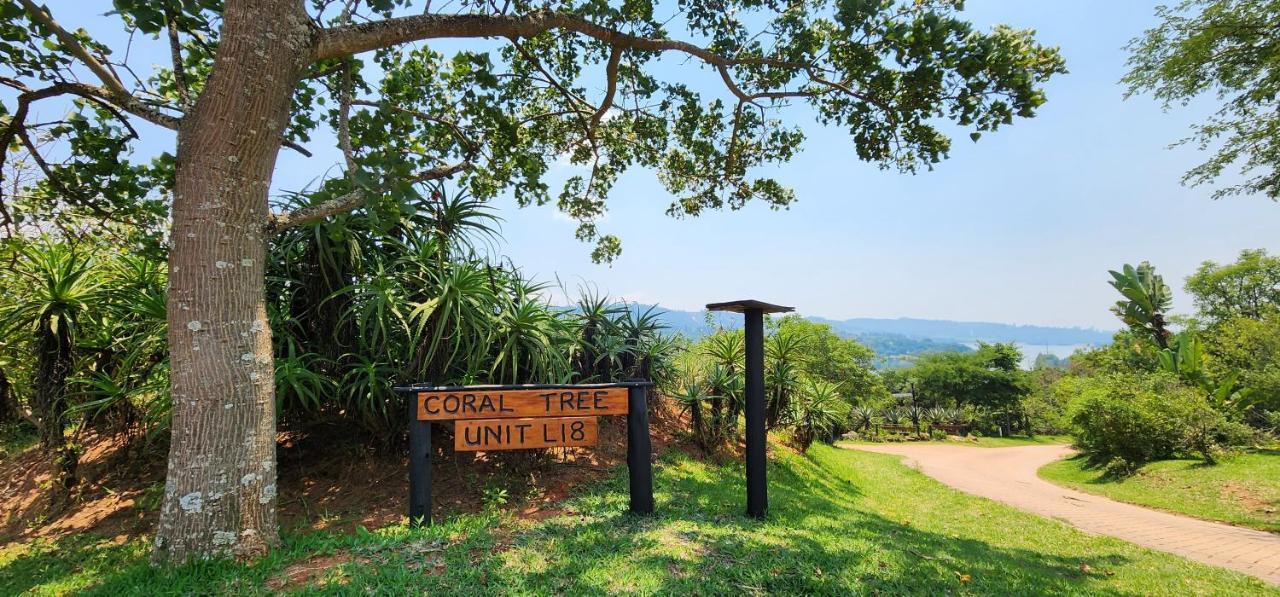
{"points": [[1248, 351], [1046, 406], [1142, 418], [1146, 300], [1226, 49], [1248, 288], [506, 111], [988, 377], [357, 309], [818, 413], [807, 369]]}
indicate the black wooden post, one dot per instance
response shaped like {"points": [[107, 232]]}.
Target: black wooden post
{"points": [[639, 449], [753, 314], [757, 486], [419, 467]]}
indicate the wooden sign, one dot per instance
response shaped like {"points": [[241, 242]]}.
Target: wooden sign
{"points": [[524, 417], [503, 404], [523, 434]]}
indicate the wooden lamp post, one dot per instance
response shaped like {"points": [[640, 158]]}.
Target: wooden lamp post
{"points": [[753, 315]]}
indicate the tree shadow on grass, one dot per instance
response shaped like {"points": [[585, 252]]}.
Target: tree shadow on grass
{"points": [[828, 532], [816, 541]]}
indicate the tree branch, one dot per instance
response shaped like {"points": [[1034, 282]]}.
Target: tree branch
{"points": [[362, 37], [611, 76], [175, 54], [317, 212], [108, 78], [353, 200]]}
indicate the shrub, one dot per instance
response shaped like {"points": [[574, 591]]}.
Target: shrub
{"points": [[817, 412], [1138, 418]]}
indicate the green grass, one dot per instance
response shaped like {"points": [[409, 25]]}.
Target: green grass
{"points": [[841, 522], [1239, 490], [1016, 440]]}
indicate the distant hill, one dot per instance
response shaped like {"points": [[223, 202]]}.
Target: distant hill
{"points": [[893, 339], [972, 331]]}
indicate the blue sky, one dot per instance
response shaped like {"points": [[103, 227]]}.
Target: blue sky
{"points": [[1018, 228]]}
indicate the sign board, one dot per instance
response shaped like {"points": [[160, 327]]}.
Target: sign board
{"points": [[527, 417], [463, 403], [522, 434]]}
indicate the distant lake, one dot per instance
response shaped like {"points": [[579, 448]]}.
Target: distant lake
{"points": [[1031, 351]]}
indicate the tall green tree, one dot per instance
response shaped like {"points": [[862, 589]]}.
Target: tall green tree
{"points": [[1249, 287], [533, 82], [1227, 50], [987, 377]]}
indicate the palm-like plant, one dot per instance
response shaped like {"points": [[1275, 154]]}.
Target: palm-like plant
{"points": [[915, 414], [863, 417], [65, 286], [642, 332], [818, 412], [691, 395], [727, 349], [526, 332], [127, 381], [1147, 298], [782, 373], [892, 415], [598, 344]]}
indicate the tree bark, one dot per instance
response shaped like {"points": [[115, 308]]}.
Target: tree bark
{"points": [[9, 411], [49, 403], [220, 489]]}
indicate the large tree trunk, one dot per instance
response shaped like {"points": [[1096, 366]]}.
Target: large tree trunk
{"points": [[220, 489]]}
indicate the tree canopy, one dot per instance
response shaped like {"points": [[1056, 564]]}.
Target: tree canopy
{"points": [[988, 377], [584, 82], [1226, 49], [1249, 288]]}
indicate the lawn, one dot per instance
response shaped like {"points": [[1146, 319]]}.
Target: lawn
{"points": [[1015, 440], [841, 522], [1243, 490]]}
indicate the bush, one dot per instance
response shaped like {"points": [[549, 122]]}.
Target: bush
{"points": [[1138, 418]]}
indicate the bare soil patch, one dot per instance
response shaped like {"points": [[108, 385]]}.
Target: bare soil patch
{"points": [[329, 479]]}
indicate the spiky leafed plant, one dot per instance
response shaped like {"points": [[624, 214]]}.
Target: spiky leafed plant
{"points": [[64, 286], [782, 352], [817, 412], [126, 382], [691, 394], [726, 387], [892, 415], [527, 334], [727, 349], [641, 331], [1147, 299], [863, 417], [654, 358], [598, 342], [915, 414], [450, 327]]}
